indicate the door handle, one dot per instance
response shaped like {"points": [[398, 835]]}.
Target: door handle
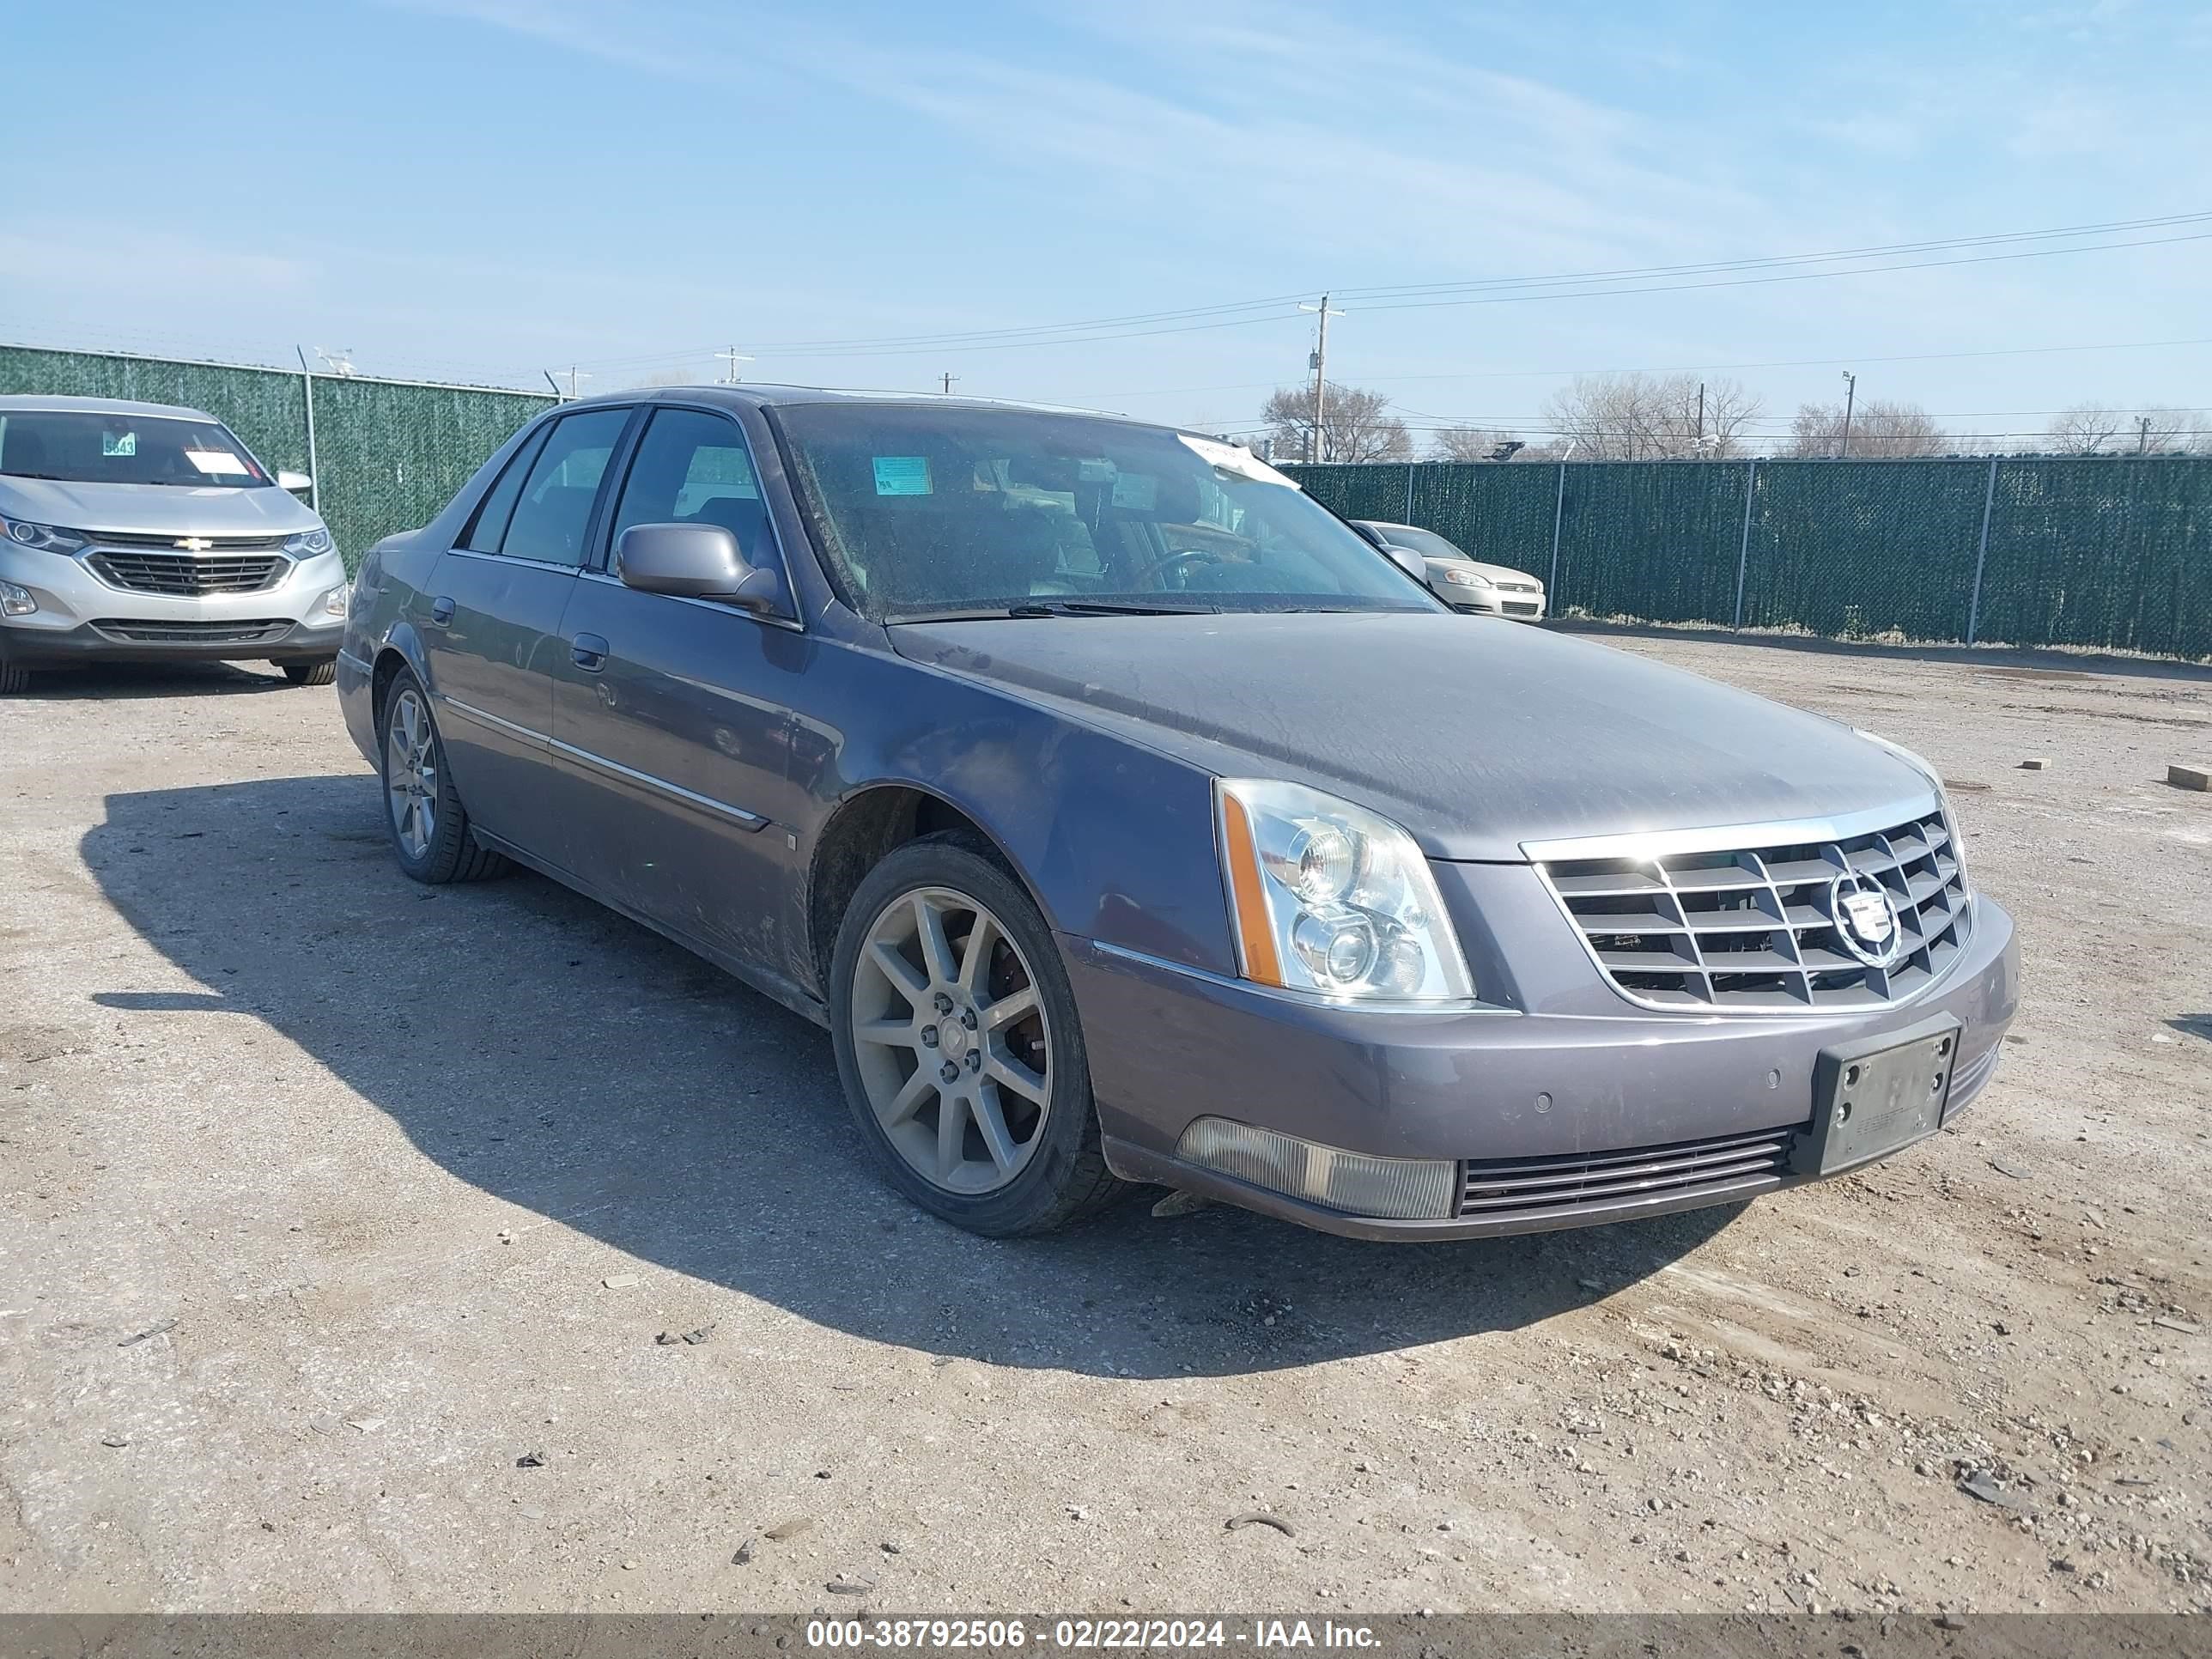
{"points": [[441, 611], [588, 652]]}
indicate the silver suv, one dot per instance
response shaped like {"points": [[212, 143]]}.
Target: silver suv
{"points": [[143, 533]]}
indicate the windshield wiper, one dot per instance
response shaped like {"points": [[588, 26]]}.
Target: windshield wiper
{"points": [[1108, 608]]}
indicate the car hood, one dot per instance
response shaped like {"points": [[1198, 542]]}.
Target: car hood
{"points": [[1475, 738], [155, 509], [1496, 573]]}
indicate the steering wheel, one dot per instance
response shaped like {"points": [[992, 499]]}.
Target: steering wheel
{"points": [[1159, 567]]}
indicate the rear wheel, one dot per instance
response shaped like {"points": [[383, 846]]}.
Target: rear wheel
{"points": [[958, 1046], [310, 673], [428, 826]]}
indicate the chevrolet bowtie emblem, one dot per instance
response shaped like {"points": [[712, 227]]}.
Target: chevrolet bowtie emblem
{"points": [[195, 545]]}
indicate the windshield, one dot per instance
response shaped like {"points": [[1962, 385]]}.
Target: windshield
{"points": [[80, 447], [1426, 543], [935, 510]]}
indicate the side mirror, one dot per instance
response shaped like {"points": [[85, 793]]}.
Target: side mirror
{"points": [[693, 562], [295, 482], [1409, 562]]}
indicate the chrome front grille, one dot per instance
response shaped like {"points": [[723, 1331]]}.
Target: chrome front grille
{"points": [[187, 575], [1519, 588], [1752, 927], [1497, 1188], [170, 542]]}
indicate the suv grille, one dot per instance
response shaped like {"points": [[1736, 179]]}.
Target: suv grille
{"points": [[167, 542], [1753, 929], [1584, 1181], [188, 575]]}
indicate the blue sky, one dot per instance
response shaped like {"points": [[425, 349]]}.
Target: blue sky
{"points": [[477, 189]]}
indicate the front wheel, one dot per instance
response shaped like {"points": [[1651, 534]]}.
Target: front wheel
{"points": [[14, 676], [958, 1046], [309, 673], [428, 826]]}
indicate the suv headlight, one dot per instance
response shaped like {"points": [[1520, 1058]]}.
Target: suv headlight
{"points": [[44, 537], [1936, 782], [309, 543], [1467, 579], [1333, 900]]}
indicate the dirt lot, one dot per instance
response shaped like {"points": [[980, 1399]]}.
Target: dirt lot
{"points": [[341, 1220]]}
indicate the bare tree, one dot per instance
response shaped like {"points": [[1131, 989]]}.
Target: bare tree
{"points": [[2168, 432], [1468, 443], [1356, 425], [1645, 417], [1881, 431], [2087, 429]]}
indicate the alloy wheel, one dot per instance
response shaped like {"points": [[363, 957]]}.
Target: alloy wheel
{"points": [[410, 773], [952, 1042]]}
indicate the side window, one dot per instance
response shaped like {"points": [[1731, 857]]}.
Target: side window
{"points": [[498, 506], [694, 468], [555, 509]]}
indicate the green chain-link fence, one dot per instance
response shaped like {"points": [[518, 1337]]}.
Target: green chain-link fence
{"points": [[2110, 553], [387, 454]]}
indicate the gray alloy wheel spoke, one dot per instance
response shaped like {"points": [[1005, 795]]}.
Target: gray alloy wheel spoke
{"points": [[939, 992], [412, 775]]}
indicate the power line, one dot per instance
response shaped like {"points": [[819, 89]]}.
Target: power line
{"points": [[1490, 290]]}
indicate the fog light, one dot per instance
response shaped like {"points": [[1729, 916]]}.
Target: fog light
{"points": [[334, 603], [16, 601], [1392, 1188]]}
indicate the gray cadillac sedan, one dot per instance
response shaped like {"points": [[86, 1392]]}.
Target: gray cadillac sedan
{"points": [[1127, 819]]}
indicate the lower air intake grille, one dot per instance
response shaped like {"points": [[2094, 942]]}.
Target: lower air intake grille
{"points": [[1498, 1188], [134, 631]]}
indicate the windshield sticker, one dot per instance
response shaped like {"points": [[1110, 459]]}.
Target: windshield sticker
{"points": [[1140, 490], [118, 443], [901, 475], [1235, 458], [1093, 471], [217, 463]]}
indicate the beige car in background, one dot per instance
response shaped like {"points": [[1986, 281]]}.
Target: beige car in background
{"points": [[1464, 583]]}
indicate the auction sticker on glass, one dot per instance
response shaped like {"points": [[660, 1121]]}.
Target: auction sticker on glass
{"points": [[1870, 1098], [901, 475]]}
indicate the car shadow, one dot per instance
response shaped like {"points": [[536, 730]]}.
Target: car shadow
{"points": [[109, 682], [568, 1061]]}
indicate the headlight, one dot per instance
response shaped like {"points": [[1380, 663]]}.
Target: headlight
{"points": [[334, 603], [1330, 899], [309, 543], [1936, 782], [1468, 579], [46, 537]]}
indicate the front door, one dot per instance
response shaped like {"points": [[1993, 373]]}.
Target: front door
{"points": [[676, 712], [492, 626]]}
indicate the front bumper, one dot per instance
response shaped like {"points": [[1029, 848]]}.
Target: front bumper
{"points": [[80, 618], [1496, 602], [1608, 1115]]}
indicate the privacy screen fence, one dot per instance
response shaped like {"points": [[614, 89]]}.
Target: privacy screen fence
{"points": [[2113, 553], [385, 455]]}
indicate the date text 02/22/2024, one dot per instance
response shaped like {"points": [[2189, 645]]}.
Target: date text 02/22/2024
{"points": [[1081, 1634]]}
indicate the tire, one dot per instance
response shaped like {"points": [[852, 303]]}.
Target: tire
{"points": [[1037, 1166], [423, 815], [310, 673], [14, 677]]}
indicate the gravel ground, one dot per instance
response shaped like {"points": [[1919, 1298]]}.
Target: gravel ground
{"points": [[350, 1235]]}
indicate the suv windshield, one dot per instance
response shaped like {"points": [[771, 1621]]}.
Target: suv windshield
{"points": [[930, 511], [1426, 543], [82, 447]]}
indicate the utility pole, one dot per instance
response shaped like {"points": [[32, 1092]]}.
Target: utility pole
{"points": [[733, 357], [574, 375], [1701, 415], [2142, 435], [1320, 365], [948, 379], [1851, 394]]}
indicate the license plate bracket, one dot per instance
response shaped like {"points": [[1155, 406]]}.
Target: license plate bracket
{"points": [[1877, 1096]]}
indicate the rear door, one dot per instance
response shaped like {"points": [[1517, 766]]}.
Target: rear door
{"points": [[492, 627], [676, 712]]}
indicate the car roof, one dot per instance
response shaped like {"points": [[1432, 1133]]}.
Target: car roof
{"points": [[30, 402], [766, 394]]}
